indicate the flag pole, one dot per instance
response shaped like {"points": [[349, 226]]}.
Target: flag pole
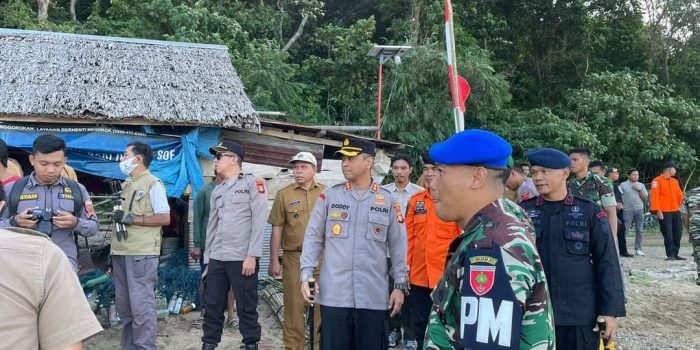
{"points": [[452, 63]]}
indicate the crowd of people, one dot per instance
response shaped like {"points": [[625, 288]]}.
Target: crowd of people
{"points": [[448, 263]]}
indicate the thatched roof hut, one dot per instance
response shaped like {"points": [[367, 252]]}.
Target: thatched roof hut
{"points": [[53, 77]]}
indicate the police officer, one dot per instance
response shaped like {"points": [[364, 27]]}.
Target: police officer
{"points": [[578, 254], [234, 244], [691, 219], [289, 216], [495, 268], [353, 224], [61, 206], [135, 252]]}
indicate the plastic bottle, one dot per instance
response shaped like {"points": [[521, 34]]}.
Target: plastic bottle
{"points": [[187, 308], [173, 301], [178, 306], [161, 306], [113, 317]]}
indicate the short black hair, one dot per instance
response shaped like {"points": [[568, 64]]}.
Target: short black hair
{"points": [[519, 169], [523, 164], [629, 172], [596, 163], [48, 143], [2, 195], [3, 153], [580, 150], [139, 148], [404, 157]]}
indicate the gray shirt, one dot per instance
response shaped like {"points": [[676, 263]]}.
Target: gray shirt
{"points": [[237, 219], [404, 195], [354, 231], [631, 199], [57, 196]]}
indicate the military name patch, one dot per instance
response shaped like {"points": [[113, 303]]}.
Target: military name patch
{"points": [[294, 203], [340, 206], [28, 196], [65, 196], [380, 209]]}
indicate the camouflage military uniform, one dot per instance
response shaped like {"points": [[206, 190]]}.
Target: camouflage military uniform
{"points": [[691, 207], [501, 227], [597, 189]]}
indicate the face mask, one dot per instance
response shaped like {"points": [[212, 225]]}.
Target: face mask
{"points": [[127, 166]]}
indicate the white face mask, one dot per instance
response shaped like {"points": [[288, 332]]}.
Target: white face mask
{"points": [[127, 166]]}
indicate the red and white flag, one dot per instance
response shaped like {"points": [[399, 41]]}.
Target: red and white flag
{"points": [[459, 87]]}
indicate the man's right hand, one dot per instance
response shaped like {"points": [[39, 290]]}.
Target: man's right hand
{"points": [[24, 220], [660, 215], [275, 269], [306, 292], [196, 253]]}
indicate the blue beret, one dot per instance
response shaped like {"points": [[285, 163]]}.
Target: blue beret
{"points": [[549, 158], [472, 147]]}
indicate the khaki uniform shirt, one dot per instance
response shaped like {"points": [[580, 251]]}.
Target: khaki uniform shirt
{"points": [[353, 230], [236, 219], [42, 302], [292, 210]]}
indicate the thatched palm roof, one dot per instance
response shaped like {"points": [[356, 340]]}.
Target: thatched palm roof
{"points": [[66, 76]]}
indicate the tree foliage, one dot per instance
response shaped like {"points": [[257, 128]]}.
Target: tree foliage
{"points": [[618, 76]]}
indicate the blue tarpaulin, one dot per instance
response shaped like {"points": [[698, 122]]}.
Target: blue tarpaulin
{"points": [[98, 150]]}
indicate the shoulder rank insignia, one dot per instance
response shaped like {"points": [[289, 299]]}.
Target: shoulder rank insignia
{"points": [[348, 186], [375, 187], [399, 215], [260, 184]]}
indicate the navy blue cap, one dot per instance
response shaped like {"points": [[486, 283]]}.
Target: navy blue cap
{"points": [[549, 158], [472, 147], [425, 156]]}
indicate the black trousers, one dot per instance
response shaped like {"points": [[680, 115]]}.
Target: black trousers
{"points": [[577, 338], [222, 276], [353, 329], [420, 306], [621, 240], [672, 231]]}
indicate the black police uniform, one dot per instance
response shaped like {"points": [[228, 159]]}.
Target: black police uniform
{"points": [[621, 240], [581, 265]]}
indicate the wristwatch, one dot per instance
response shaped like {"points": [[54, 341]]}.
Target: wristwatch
{"points": [[13, 221], [403, 287]]}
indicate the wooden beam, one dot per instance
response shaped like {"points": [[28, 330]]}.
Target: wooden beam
{"points": [[299, 137], [57, 120]]}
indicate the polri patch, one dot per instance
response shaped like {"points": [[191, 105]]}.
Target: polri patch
{"points": [[28, 196]]}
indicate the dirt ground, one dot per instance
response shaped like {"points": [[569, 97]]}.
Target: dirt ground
{"points": [[663, 310]]}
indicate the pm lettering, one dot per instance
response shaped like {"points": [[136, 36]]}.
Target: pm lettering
{"points": [[490, 324]]}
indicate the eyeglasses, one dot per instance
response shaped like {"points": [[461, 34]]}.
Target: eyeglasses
{"points": [[221, 155]]}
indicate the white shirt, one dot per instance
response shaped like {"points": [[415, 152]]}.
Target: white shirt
{"points": [[159, 201]]}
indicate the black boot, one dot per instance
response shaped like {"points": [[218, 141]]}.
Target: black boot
{"points": [[249, 346], [208, 346]]}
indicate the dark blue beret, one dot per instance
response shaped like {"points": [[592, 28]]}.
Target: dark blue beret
{"points": [[472, 147], [549, 158]]}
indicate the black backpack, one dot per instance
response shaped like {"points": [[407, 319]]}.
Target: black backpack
{"points": [[19, 185]]}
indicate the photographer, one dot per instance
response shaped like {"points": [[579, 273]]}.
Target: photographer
{"points": [[48, 202]]}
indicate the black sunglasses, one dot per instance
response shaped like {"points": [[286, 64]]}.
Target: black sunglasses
{"points": [[221, 155]]}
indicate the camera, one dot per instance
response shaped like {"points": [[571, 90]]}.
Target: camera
{"points": [[44, 219]]}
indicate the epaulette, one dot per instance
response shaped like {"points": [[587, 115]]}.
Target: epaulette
{"points": [[27, 231]]}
